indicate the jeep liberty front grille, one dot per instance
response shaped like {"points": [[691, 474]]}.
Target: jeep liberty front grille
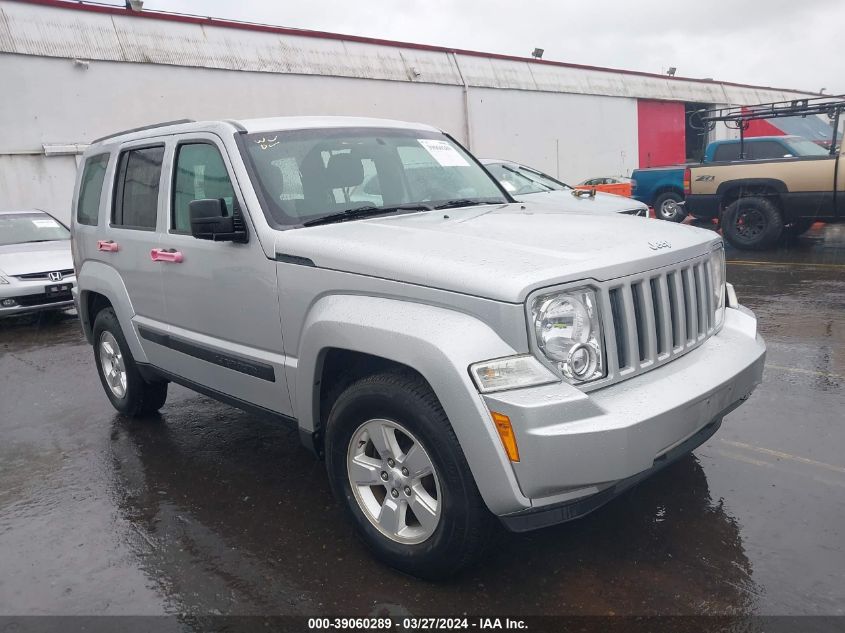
{"points": [[656, 316]]}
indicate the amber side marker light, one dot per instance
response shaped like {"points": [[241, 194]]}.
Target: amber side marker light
{"points": [[503, 426]]}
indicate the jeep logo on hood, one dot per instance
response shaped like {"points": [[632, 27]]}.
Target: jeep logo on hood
{"points": [[656, 246]]}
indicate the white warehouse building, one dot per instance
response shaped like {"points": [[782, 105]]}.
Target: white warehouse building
{"points": [[71, 72]]}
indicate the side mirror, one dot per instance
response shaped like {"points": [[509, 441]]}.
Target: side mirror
{"points": [[209, 221]]}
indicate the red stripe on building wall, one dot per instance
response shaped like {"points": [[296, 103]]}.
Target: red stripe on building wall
{"points": [[761, 127], [662, 132]]}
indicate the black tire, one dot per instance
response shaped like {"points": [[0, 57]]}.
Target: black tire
{"points": [[798, 227], [141, 397], [666, 207], [752, 223], [465, 526]]}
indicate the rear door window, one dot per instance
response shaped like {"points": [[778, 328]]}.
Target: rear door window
{"points": [[93, 174], [137, 187]]}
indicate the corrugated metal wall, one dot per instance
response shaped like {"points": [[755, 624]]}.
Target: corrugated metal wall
{"points": [[574, 122]]}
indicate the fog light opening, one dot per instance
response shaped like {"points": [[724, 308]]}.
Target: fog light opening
{"points": [[581, 361]]}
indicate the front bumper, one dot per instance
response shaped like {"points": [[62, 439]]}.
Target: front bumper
{"points": [[31, 296], [574, 446]]}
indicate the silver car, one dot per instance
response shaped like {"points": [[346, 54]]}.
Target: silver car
{"points": [[457, 358], [36, 267], [527, 184]]}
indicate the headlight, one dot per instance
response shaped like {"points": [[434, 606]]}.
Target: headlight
{"points": [[510, 373], [568, 332], [717, 274]]}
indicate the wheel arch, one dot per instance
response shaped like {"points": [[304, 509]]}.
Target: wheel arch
{"points": [[667, 188], [373, 333], [731, 190], [101, 286]]}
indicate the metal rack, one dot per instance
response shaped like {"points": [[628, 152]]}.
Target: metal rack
{"points": [[739, 117]]}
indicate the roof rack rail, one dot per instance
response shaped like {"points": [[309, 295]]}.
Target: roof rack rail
{"points": [[142, 128], [740, 115], [236, 124]]}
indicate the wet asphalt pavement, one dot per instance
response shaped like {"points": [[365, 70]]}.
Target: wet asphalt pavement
{"points": [[208, 510]]}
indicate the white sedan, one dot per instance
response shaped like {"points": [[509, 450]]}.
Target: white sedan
{"points": [[36, 266], [526, 184]]}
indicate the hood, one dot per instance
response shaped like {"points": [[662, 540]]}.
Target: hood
{"points": [[563, 200], [500, 252], [37, 257]]}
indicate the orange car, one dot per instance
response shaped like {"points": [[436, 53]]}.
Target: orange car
{"points": [[611, 184]]}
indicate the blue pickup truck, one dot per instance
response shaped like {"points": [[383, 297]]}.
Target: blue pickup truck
{"points": [[662, 188]]}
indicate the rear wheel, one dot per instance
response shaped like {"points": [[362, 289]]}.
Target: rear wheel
{"points": [[396, 465], [667, 207], [752, 223], [127, 390]]}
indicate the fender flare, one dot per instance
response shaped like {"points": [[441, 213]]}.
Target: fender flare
{"points": [[437, 342], [103, 279], [774, 183]]}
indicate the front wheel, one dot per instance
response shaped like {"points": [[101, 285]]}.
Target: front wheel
{"points": [[667, 206], [125, 388], [752, 223], [395, 464]]}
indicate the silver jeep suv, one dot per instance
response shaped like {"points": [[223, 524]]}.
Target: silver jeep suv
{"points": [[458, 359]]}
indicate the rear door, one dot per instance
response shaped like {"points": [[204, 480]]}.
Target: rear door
{"points": [[221, 297], [134, 231]]}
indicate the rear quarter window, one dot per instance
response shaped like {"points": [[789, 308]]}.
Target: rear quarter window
{"points": [[728, 151], [90, 189], [762, 150]]}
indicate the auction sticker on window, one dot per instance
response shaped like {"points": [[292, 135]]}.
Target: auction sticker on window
{"points": [[46, 224], [443, 152]]}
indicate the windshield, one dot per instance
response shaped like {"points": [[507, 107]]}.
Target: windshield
{"points": [[803, 147], [303, 175], [520, 180], [21, 228]]}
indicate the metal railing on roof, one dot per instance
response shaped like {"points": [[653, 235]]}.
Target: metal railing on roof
{"points": [[739, 117]]}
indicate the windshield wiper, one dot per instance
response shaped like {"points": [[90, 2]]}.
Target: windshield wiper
{"points": [[364, 211], [521, 175], [466, 202]]}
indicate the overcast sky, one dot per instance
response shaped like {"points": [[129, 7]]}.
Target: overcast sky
{"points": [[779, 43]]}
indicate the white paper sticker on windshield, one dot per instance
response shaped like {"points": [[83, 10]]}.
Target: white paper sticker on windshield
{"points": [[46, 224], [508, 186], [443, 152]]}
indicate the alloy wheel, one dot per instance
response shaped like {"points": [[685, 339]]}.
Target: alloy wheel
{"points": [[669, 209], [111, 362], [750, 223], [394, 481]]}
